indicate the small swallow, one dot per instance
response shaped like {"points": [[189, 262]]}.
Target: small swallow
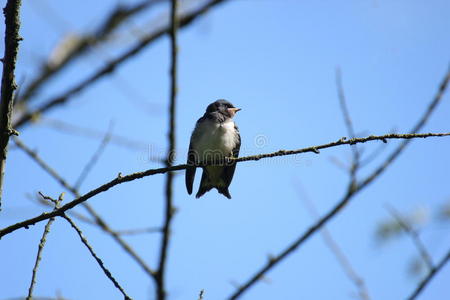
{"points": [[215, 137]]}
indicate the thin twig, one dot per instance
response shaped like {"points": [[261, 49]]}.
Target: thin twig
{"points": [[430, 276], [353, 189], [99, 261], [112, 65], [95, 157], [98, 220], [348, 123], [426, 257], [336, 250], [169, 209], [12, 38], [122, 179], [40, 248]]}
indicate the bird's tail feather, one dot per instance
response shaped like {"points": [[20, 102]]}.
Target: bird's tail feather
{"points": [[224, 191], [205, 185], [202, 190]]}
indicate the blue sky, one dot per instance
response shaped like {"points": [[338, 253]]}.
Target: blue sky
{"points": [[276, 60]]}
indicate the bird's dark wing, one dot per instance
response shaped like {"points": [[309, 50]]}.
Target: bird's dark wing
{"points": [[190, 170], [192, 159], [228, 171]]}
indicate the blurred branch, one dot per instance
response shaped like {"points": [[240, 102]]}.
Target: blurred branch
{"points": [[138, 231], [12, 38], [99, 261], [413, 235], [200, 295], [169, 208], [336, 250], [348, 123], [112, 65], [118, 140], [431, 107], [430, 276], [353, 188], [95, 157], [122, 232], [98, 220], [41, 247], [122, 179], [79, 45]]}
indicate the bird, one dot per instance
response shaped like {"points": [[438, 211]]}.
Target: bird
{"points": [[214, 138]]}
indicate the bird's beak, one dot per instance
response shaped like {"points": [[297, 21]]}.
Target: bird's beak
{"points": [[233, 111]]}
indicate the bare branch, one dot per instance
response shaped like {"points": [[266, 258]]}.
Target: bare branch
{"points": [[352, 190], [416, 128], [99, 261], [98, 220], [122, 179], [169, 208], [348, 123], [95, 157], [430, 276], [12, 38], [414, 237], [111, 22], [336, 250], [40, 248], [112, 65]]}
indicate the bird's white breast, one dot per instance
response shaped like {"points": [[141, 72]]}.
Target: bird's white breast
{"points": [[212, 138]]}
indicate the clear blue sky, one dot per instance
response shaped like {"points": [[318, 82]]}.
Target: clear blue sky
{"points": [[276, 60]]}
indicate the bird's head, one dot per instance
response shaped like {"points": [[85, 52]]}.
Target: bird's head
{"points": [[223, 107]]}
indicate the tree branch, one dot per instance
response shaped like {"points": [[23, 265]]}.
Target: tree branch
{"points": [[99, 261], [12, 38], [111, 22], [122, 179], [426, 257], [169, 208], [337, 251], [112, 65], [352, 190], [95, 157], [430, 276], [40, 248], [97, 219], [348, 124]]}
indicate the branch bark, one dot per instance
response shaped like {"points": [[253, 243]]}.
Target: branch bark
{"points": [[95, 256], [122, 179], [12, 38], [40, 249], [169, 208]]}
